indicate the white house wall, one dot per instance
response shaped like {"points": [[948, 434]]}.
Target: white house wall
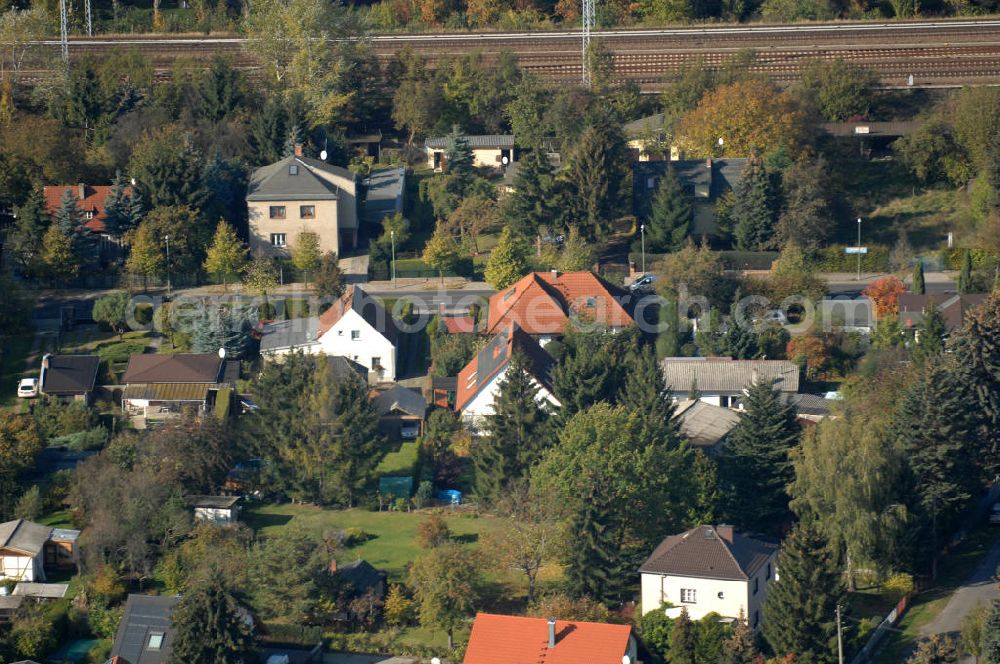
{"points": [[370, 343], [482, 404], [22, 568]]}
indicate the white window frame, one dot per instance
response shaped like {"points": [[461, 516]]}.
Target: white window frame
{"points": [[689, 596], [279, 240], [355, 335], [158, 645]]}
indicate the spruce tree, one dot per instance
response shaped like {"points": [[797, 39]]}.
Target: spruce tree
{"points": [[930, 333], [25, 240], [937, 429], [490, 471], [990, 645], [739, 342], [268, 131], [118, 217], [755, 466], [592, 568], [977, 348], [670, 215], [597, 169], [965, 274], [753, 212], [211, 626], [585, 375], [220, 326], [529, 207], [518, 429], [646, 393], [458, 154], [918, 286], [800, 610], [71, 222], [683, 640]]}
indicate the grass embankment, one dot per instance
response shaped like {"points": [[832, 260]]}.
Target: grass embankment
{"points": [[952, 571], [12, 366]]}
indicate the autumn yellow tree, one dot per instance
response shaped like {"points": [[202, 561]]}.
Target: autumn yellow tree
{"points": [[747, 115]]}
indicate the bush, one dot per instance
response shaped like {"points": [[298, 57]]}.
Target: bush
{"points": [[433, 532], [82, 441], [144, 314], [833, 259], [423, 496], [355, 536], [57, 419], [898, 586], [292, 635]]}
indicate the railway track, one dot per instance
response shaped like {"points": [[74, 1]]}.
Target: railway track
{"points": [[934, 53]]}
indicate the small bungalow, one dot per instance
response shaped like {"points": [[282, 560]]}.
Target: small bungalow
{"points": [[492, 151], [69, 377], [401, 412], [220, 510], [362, 576], [953, 307], [162, 386], [704, 425], [722, 381]]}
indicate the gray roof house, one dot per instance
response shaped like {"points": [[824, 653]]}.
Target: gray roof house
{"points": [[298, 194], [710, 569], [145, 633], [703, 424], [490, 150], [703, 180], [721, 381]]}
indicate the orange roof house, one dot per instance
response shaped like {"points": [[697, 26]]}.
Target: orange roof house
{"points": [[543, 302], [478, 381], [518, 640], [90, 200]]}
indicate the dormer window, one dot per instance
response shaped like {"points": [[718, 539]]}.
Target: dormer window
{"points": [[88, 214], [293, 169], [591, 302]]}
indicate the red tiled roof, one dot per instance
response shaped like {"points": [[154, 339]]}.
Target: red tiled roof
{"points": [[542, 302], [488, 362], [459, 324], [367, 307], [92, 202], [518, 640]]}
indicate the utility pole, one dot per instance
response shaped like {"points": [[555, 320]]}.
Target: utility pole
{"points": [[392, 237], [166, 239], [859, 248], [588, 24], [90, 25], [64, 31], [642, 231], [840, 639]]}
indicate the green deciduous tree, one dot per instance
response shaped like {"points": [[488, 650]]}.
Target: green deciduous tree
{"points": [[838, 89], [211, 626], [446, 585], [306, 254], [329, 281], [59, 262], [113, 310], [146, 256], [507, 262], [441, 251], [991, 635], [755, 463], [800, 607], [227, 255], [260, 276], [189, 236], [670, 215]]}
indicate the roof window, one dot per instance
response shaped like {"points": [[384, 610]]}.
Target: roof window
{"points": [[293, 169]]}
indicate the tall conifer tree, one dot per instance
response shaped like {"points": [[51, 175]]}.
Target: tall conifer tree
{"points": [[755, 463], [592, 566], [529, 206], [670, 215], [753, 208], [211, 626], [800, 610]]}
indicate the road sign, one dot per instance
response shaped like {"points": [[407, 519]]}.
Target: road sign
{"points": [[855, 250]]}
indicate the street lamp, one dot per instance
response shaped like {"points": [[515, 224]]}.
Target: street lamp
{"points": [[642, 233], [392, 238], [859, 248], [166, 238]]}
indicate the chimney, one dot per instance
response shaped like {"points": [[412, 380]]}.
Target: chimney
{"points": [[555, 272], [725, 532], [552, 632], [708, 163], [81, 190], [332, 566], [298, 149]]}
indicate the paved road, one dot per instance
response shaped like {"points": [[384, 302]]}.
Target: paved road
{"points": [[979, 587], [846, 283]]}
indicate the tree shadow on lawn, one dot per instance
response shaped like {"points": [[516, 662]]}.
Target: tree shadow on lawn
{"points": [[259, 521], [467, 538]]}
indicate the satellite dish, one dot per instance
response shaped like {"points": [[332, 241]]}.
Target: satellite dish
{"points": [[322, 155], [435, 660], [504, 160], [133, 182], [222, 353], [626, 659]]}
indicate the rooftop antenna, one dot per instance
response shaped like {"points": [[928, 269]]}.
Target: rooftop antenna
{"points": [[64, 31], [588, 24]]}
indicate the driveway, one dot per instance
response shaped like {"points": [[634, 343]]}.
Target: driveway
{"points": [[979, 587]]}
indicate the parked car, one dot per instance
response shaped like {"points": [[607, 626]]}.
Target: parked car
{"points": [[643, 284], [995, 514], [27, 388], [409, 430]]}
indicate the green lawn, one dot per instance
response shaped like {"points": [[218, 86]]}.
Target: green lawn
{"points": [[402, 462], [927, 216], [952, 570], [393, 541], [12, 367], [59, 519]]}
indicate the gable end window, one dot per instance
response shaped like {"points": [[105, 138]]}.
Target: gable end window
{"points": [[689, 596], [277, 212]]}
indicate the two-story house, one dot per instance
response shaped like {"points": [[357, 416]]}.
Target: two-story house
{"points": [[356, 327], [301, 195], [710, 570]]}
